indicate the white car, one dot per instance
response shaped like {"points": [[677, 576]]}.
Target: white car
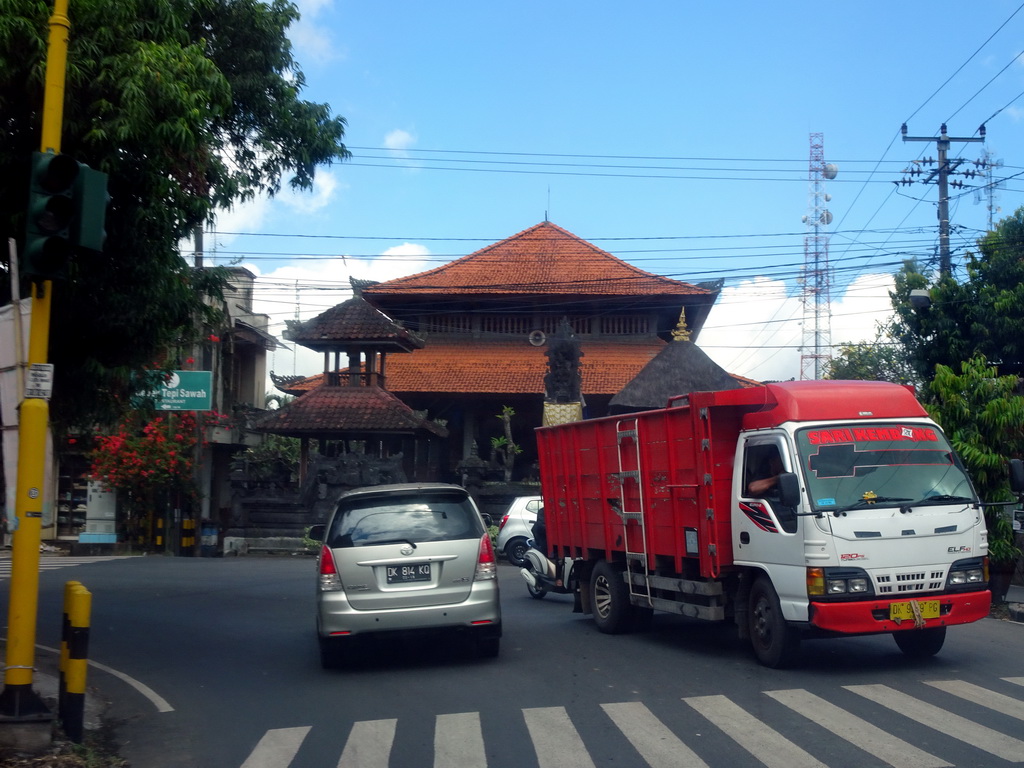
{"points": [[516, 527]]}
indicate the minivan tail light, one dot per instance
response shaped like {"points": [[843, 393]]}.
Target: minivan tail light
{"points": [[330, 581], [486, 566]]}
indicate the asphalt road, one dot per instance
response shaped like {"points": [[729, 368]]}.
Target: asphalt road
{"points": [[225, 647]]}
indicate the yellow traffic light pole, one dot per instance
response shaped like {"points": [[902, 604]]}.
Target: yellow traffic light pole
{"points": [[19, 700]]}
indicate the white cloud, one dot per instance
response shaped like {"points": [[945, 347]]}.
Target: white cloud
{"points": [[399, 139], [312, 40], [325, 186], [865, 302], [756, 328], [244, 217]]}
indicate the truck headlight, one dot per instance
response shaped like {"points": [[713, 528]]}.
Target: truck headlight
{"points": [[966, 573], [838, 582], [836, 587]]}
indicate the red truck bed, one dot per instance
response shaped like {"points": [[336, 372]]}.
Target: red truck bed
{"points": [[651, 461]]}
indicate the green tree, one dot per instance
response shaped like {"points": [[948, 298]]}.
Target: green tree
{"points": [[879, 360], [190, 106], [983, 418], [980, 315]]}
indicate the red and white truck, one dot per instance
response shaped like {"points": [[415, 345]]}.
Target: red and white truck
{"points": [[865, 521]]}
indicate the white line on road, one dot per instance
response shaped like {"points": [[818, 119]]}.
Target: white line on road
{"points": [[858, 732], [369, 744], [277, 748], [650, 737], [158, 701], [943, 721], [556, 740], [767, 745], [981, 696], [458, 741]]}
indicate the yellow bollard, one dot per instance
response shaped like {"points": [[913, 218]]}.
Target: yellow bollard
{"points": [[65, 635], [71, 706]]}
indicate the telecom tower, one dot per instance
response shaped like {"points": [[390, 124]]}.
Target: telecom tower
{"points": [[816, 278]]}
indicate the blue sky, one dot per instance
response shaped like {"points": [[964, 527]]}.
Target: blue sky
{"points": [[675, 135]]}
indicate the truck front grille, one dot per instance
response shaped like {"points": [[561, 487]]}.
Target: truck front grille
{"points": [[904, 582]]}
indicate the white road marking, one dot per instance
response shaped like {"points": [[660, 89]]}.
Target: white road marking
{"points": [[767, 745], [857, 731], [555, 739], [981, 696], [157, 700], [459, 742], [651, 738], [943, 721], [277, 748], [369, 744]]}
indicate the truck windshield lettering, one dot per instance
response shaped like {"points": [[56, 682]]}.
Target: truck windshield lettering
{"points": [[864, 434], [844, 464], [846, 460]]}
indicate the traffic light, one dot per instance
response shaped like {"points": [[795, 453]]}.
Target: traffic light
{"points": [[67, 207], [90, 196], [51, 208]]}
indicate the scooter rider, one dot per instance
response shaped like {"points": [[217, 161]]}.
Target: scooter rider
{"points": [[540, 533]]}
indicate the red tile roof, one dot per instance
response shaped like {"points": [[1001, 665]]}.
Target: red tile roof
{"points": [[542, 260], [334, 410], [473, 366], [354, 321]]}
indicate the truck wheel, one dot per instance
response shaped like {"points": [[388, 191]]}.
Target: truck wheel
{"points": [[515, 551], [920, 643], [776, 644], [609, 599]]}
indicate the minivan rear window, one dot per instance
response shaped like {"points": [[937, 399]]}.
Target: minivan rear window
{"points": [[383, 519]]}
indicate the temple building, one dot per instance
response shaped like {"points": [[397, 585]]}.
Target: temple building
{"points": [[483, 326]]}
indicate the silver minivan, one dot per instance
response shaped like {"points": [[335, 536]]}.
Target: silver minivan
{"points": [[400, 558]]}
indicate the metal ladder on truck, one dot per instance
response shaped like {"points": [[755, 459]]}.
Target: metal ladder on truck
{"points": [[627, 438]]}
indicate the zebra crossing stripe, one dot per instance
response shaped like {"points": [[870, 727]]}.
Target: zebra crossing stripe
{"points": [[459, 742], [277, 748], [766, 744], [981, 696], [1015, 680], [858, 732], [943, 721], [556, 740], [369, 744], [656, 744]]}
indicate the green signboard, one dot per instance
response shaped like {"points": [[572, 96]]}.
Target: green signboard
{"points": [[185, 391]]}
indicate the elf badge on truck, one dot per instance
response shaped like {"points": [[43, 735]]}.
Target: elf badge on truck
{"points": [[800, 509]]}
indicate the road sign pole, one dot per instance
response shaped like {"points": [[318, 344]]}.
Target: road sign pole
{"points": [[19, 701]]}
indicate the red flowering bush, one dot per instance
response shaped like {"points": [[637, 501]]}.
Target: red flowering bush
{"points": [[142, 459]]}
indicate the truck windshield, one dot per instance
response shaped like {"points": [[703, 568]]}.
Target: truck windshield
{"points": [[858, 466]]}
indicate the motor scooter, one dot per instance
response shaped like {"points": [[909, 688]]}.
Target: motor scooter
{"points": [[543, 576]]}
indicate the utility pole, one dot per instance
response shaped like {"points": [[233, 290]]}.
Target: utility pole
{"points": [[941, 174], [19, 702]]}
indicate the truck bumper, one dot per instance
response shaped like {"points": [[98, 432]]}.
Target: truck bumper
{"points": [[871, 616]]}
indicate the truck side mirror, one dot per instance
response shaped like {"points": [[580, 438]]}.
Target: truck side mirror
{"points": [[789, 489], [1017, 475], [316, 532]]}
